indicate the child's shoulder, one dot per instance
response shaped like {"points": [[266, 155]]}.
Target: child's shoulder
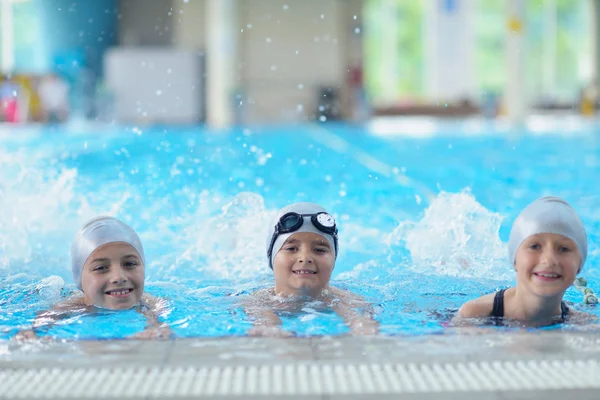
{"points": [[343, 293], [73, 303], [581, 318], [477, 308], [345, 297]]}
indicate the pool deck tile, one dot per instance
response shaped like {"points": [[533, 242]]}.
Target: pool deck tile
{"points": [[343, 350]]}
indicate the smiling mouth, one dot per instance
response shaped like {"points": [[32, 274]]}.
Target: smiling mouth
{"points": [[119, 292], [304, 272], [547, 275]]}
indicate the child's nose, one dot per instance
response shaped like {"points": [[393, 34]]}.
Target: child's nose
{"points": [[549, 256], [305, 256], [118, 276]]}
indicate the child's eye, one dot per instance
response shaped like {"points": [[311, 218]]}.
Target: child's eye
{"points": [[100, 268], [291, 248], [130, 264], [565, 249], [535, 246], [321, 250]]}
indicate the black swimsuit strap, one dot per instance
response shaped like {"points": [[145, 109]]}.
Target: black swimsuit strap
{"points": [[498, 309], [564, 311]]}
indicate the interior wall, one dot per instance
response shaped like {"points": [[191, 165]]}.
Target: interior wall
{"points": [[189, 29], [147, 23], [287, 49]]}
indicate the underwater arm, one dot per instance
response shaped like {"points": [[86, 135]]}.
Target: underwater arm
{"points": [[47, 318], [155, 329], [356, 312], [265, 322]]}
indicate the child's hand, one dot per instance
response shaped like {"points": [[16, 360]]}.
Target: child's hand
{"points": [[157, 332], [23, 336], [269, 331], [364, 326]]}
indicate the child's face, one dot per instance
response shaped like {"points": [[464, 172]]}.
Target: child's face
{"points": [[303, 265], [547, 263], [113, 277]]}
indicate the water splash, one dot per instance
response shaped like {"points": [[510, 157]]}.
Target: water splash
{"points": [[231, 244], [457, 236], [36, 202]]}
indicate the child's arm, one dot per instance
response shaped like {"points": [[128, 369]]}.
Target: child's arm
{"points": [[155, 329], [264, 320], [47, 318], [355, 311], [477, 308]]}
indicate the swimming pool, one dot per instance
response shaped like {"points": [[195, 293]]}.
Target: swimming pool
{"points": [[424, 210]]}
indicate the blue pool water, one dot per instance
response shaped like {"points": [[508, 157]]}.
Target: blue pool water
{"points": [[423, 210]]}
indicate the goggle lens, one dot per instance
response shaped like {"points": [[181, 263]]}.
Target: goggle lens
{"points": [[290, 221]]}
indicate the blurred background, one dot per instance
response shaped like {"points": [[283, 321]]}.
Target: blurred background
{"points": [[232, 62]]}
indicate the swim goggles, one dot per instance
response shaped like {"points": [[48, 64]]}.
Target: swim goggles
{"points": [[292, 221]]}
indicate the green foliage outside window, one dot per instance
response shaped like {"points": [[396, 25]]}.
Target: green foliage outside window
{"points": [[395, 49]]}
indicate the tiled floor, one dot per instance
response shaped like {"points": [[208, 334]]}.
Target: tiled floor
{"points": [[250, 357]]}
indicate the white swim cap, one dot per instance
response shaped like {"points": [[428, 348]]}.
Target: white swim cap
{"points": [[307, 226], [548, 215], [95, 233]]}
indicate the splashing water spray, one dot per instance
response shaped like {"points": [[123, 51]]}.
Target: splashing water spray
{"points": [[457, 236]]}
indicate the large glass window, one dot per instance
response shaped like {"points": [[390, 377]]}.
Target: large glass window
{"points": [[394, 50], [558, 43]]}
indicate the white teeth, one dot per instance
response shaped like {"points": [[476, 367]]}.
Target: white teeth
{"points": [[548, 275], [119, 292], [304, 272]]}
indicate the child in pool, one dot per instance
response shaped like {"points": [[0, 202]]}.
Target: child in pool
{"points": [[548, 248], [302, 246], [108, 266]]}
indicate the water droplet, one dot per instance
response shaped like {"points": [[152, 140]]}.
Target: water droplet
{"points": [[300, 86], [158, 92], [322, 118], [356, 30], [286, 7], [268, 40], [322, 16], [354, 17], [299, 108]]}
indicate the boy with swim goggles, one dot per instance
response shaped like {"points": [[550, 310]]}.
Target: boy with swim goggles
{"points": [[302, 247]]}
